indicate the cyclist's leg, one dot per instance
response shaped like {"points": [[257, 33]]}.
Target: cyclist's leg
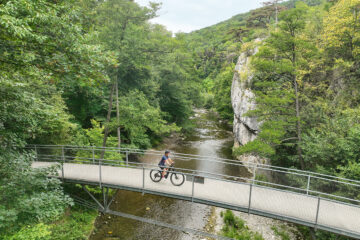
{"points": [[163, 171], [166, 173]]}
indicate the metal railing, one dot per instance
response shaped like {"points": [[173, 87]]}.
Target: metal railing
{"points": [[331, 189], [311, 183]]}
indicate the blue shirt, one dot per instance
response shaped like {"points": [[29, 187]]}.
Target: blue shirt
{"points": [[163, 160]]}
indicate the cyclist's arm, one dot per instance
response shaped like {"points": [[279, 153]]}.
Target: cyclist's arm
{"points": [[169, 161]]}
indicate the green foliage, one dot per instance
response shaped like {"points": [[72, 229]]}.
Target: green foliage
{"points": [[341, 29], [281, 233], [41, 44], [319, 234], [333, 145], [76, 225], [36, 108], [37, 232], [234, 227], [176, 94], [138, 118], [222, 92], [255, 146], [94, 137], [34, 196]]}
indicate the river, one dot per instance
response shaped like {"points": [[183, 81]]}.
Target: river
{"points": [[210, 137]]}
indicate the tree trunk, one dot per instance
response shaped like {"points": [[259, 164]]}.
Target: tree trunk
{"points": [[297, 108], [118, 115], [106, 131], [276, 13], [298, 124]]}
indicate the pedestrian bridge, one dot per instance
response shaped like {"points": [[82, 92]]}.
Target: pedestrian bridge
{"points": [[315, 200]]}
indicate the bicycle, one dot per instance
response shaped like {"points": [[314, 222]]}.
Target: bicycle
{"points": [[176, 178]]}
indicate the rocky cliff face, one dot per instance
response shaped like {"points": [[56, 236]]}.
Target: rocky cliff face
{"points": [[242, 98]]}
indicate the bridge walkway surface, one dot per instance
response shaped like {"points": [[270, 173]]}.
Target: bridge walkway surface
{"points": [[314, 211]]}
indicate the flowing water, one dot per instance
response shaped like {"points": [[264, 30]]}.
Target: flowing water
{"points": [[209, 138]]}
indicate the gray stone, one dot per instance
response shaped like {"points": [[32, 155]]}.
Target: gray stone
{"points": [[245, 128]]}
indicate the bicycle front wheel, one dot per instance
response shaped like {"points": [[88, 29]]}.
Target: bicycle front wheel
{"points": [[155, 175], [177, 179]]}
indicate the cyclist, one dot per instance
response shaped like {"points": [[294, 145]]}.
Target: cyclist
{"points": [[164, 162]]}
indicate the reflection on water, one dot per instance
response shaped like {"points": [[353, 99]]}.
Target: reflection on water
{"points": [[209, 138]]}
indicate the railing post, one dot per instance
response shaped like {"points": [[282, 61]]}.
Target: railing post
{"points": [[143, 178], [317, 213], [93, 154], [308, 185], [62, 154], [36, 154], [127, 158], [62, 162], [192, 188], [100, 179], [250, 193], [254, 170]]}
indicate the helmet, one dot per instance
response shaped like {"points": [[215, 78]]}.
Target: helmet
{"points": [[167, 151]]}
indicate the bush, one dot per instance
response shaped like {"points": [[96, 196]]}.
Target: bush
{"points": [[236, 228]]}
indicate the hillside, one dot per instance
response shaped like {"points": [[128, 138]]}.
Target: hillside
{"points": [[217, 47]]}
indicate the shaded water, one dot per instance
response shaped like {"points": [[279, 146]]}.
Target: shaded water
{"points": [[209, 138]]}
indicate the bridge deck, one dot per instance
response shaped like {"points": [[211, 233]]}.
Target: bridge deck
{"points": [[300, 208]]}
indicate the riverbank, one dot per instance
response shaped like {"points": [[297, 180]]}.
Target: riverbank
{"points": [[76, 223], [268, 229]]}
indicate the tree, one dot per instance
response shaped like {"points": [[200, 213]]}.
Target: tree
{"points": [[278, 65], [342, 29], [341, 43], [238, 33], [332, 147], [260, 17], [42, 47], [123, 29], [138, 119], [275, 4], [222, 99]]}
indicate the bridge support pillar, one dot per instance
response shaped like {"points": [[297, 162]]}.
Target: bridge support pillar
{"points": [[105, 192], [104, 208], [312, 233], [94, 198], [111, 200]]}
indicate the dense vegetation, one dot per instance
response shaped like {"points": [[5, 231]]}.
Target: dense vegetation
{"points": [[92, 72], [305, 79], [306, 82], [65, 68]]}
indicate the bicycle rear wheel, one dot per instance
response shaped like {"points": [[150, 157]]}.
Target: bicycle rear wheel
{"points": [[155, 175], [177, 179]]}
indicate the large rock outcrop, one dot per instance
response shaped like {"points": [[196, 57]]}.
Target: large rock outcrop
{"points": [[245, 128]]}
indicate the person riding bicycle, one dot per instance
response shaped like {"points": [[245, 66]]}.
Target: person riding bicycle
{"points": [[165, 162]]}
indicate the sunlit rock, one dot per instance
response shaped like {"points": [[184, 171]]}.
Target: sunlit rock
{"points": [[245, 128]]}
